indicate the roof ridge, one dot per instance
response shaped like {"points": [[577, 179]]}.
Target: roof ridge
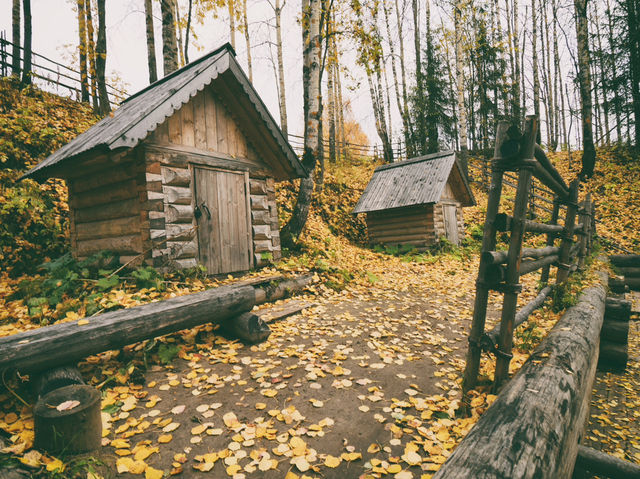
{"points": [[177, 72], [410, 161]]}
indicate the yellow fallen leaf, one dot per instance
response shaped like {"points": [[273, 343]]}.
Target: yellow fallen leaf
{"points": [[32, 458], [373, 448], [394, 468], [144, 452], [171, 427], [269, 392], [129, 404], [55, 465], [332, 461], [82, 322], [165, 438], [151, 473], [351, 456]]}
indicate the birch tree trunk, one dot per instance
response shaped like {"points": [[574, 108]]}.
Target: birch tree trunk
{"points": [[91, 55], [101, 59], [82, 51], [180, 44], [462, 111], [633, 12], [151, 42], [534, 63], [247, 39], [551, 121], [311, 83], [603, 77], [232, 22], [584, 78], [187, 31], [401, 109], [561, 124], [517, 112], [169, 43], [15, 39], [26, 65], [403, 74], [282, 97], [613, 73]]}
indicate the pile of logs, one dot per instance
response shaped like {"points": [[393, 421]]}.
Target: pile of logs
{"points": [[628, 266], [614, 337]]}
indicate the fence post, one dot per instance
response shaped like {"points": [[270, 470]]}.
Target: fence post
{"points": [[482, 287], [512, 287], [551, 237], [532, 201], [567, 234], [3, 55]]}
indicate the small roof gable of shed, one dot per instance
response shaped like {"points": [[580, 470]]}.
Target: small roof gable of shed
{"points": [[417, 181], [141, 114]]}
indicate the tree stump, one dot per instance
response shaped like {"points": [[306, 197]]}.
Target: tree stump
{"points": [[248, 327], [61, 426]]}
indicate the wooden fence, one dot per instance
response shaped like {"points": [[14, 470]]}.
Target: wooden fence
{"points": [[501, 270], [51, 75]]}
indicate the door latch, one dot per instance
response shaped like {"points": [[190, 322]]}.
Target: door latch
{"points": [[199, 209]]}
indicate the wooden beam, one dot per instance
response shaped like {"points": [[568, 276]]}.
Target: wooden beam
{"points": [[64, 343], [532, 428], [490, 338], [605, 465]]}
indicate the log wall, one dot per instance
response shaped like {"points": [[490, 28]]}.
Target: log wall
{"points": [[411, 226], [106, 208], [264, 220]]}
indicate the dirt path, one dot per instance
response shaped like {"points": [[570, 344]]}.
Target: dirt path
{"points": [[364, 382]]}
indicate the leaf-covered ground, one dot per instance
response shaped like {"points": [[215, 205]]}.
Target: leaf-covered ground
{"points": [[366, 382]]}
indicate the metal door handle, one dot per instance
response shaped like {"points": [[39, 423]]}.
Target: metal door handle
{"points": [[203, 207]]}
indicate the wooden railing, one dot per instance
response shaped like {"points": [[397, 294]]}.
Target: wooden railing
{"points": [[501, 270], [51, 75]]}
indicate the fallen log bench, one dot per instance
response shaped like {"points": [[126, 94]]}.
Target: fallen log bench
{"points": [[532, 428], [66, 343]]}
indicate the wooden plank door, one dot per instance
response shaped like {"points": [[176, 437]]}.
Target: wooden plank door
{"points": [[223, 227], [451, 223]]}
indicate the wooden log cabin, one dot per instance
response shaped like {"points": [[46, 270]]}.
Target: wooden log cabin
{"points": [[181, 174], [416, 202]]}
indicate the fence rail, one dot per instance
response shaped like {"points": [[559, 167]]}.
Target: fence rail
{"points": [[51, 75]]}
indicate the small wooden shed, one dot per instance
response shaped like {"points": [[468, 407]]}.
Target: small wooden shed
{"points": [[182, 173], [415, 202]]}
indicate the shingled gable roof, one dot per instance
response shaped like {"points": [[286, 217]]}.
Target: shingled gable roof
{"points": [[413, 182], [141, 114]]}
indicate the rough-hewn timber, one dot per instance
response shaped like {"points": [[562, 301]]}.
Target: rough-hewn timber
{"points": [[521, 435], [61, 344]]}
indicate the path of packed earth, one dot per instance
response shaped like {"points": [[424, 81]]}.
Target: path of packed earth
{"points": [[366, 381]]}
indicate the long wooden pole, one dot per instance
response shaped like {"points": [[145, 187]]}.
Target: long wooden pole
{"points": [[482, 288], [512, 286]]}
